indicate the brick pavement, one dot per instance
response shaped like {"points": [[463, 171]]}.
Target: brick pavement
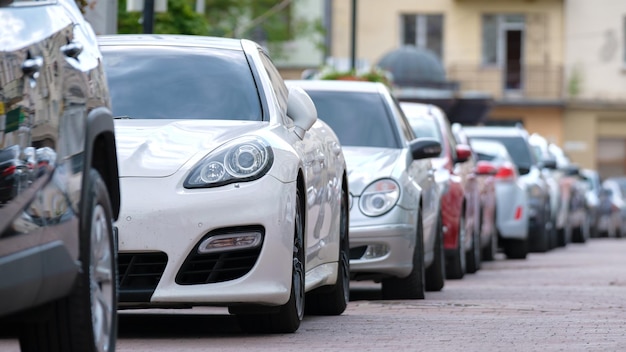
{"points": [[569, 299]]}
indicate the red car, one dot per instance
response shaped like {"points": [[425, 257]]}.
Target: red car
{"points": [[485, 175], [459, 191]]}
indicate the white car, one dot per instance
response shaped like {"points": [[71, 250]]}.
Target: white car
{"points": [[233, 192], [395, 216], [510, 193]]}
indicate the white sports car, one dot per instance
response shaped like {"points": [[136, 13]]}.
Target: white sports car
{"points": [[233, 192]]}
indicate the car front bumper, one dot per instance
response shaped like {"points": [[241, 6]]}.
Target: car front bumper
{"points": [[159, 216], [382, 246]]}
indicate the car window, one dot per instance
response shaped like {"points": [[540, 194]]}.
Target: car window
{"points": [[358, 119], [170, 83], [404, 124], [425, 127], [278, 84], [517, 148]]}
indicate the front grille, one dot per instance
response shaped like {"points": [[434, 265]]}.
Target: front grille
{"points": [[139, 275], [209, 268]]}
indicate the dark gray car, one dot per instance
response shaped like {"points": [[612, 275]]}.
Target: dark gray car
{"points": [[59, 191]]}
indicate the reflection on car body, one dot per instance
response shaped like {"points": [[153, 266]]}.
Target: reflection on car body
{"points": [[59, 189]]}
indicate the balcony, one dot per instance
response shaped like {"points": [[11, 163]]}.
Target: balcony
{"points": [[532, 84]]}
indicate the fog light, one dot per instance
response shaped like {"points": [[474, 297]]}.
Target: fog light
{"points": [[375, 251], [229, 242]]}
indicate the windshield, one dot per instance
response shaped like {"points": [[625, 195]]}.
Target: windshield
{"points": [[180, 83], [359, 119], [517, 148], [425, 127]]}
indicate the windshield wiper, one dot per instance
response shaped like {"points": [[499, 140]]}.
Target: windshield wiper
{"points": [[123, 117]]}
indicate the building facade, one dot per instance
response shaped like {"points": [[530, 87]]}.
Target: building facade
{"points": [[595, 80]]}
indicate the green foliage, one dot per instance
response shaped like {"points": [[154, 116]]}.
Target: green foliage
{"points": [[180, 18], [373, 75], [269, 22]]}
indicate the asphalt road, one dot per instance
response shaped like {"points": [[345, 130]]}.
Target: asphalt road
{"points": [[569, 299]]}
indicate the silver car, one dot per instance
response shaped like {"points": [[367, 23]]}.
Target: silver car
{"points": [[515, 139], [395, 218], [510, 193]]}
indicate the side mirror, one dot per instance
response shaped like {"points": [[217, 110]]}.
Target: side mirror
{"points": [[301, 109], [485, 168], [463, 153], [422, 148]]}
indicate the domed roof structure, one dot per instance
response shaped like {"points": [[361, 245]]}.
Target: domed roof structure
{"points": [[412, 66]]}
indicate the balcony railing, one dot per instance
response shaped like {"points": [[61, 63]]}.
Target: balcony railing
{"points": [[532, 83]]}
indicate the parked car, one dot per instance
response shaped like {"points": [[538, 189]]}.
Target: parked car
{"points": [[485, 184], [593, 188], [567, 193], [515, 139], [460, 201], [511, 199], [59, 191], [395, 219], [609, 215], [234, 193], [616, 187]]}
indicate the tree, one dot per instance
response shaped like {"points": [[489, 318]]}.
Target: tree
{"points": [[269, 22]]}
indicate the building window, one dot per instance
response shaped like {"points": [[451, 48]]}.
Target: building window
{"points": [[496, 28], [423, 31]]}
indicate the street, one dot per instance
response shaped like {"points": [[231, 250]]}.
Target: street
{"points": [[569, 299]]}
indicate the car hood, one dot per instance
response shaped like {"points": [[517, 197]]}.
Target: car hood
{"points": [[369, 164], [159, 148]]}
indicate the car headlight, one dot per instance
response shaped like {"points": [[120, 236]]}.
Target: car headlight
{"points": [[379, 197], [241, 160]]}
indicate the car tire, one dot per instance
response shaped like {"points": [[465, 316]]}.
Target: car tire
{"points": [[86, 320], [436, 272], [473, 256], [490, 251], [333, 300], [456, 265], [412, 286], [516, 249], [286, 318], [578, 235]]}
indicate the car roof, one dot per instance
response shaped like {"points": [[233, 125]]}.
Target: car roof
{"points": [[170, 40], [495, 131], [338, 85]]}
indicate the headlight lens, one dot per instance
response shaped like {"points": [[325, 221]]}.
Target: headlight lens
{"points": [[379, 197], [244, 159]]}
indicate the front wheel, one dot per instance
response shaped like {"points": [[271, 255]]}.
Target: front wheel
{"points": [[287, 318], [436, 272], [87, 319], [456, 264]]}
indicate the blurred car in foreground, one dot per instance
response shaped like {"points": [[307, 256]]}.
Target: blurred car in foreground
{"points": [[510, 193], [459, 198], [395, 219], [234, 193], [515, 139], [59, 190]]}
